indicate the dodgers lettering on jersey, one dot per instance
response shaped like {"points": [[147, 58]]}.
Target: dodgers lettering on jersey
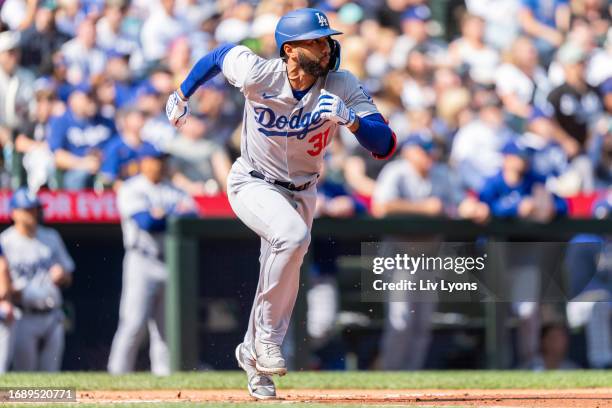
{"points": [[281, 136], [138, 194], [79, 136]]}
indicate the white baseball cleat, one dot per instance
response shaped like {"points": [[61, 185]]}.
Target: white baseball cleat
{"points": [[268, 359], [260, 385]]}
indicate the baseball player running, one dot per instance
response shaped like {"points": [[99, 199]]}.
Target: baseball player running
{"points": [[39, 265], [294, 106]]}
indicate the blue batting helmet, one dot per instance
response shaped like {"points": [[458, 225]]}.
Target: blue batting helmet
{"points": [[24, 198], [302, 24]]}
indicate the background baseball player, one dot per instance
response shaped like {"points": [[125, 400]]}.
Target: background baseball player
{"points": [[39, 265], [294, 107], [145, 201], [6, 314]]}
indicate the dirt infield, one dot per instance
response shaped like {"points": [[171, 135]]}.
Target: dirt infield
{"points": [[584, 398]]}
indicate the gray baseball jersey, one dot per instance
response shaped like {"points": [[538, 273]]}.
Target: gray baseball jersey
{"points": [[281, 138], [138, 194], [29, 261]]}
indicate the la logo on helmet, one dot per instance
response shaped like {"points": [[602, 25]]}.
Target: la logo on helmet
{"points": [[322, 20]]}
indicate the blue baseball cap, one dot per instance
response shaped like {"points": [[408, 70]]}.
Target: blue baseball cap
{"points": [[515, 149], [419, 139], [24, 199], [148, 150], [420, 13]]}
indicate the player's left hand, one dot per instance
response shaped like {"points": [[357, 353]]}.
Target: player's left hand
{"points": [[59, 276], [177, 110], [331, 107]]}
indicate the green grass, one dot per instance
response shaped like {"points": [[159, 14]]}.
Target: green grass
{"points": [[323, 380]]}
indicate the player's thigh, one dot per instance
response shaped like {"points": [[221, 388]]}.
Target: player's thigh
{"points": [[52, 351], [137, 293], [266, 210], [26, 338]]}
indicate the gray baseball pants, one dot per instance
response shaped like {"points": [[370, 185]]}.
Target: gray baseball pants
{"points": [[6, 345], [283, 220], [39, 341], [142, 306]]}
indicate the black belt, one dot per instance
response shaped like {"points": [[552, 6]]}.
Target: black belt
{"points": [[285, 184], [31, 310], [160, 256]]}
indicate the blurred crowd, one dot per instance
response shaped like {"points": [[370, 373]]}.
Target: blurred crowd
{"points": [[507, 101]]}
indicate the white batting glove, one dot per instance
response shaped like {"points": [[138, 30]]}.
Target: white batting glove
{"points": [[331, 107], [177, 110]]}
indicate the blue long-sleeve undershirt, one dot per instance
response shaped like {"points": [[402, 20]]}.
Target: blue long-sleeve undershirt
{"points": [[147, 222], [375, 135], [207, 67]]}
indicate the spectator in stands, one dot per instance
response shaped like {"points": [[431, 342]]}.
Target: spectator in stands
{"points": [[414, 34], [600, 152], [41, 41], [546, 23], [104, 92], [31, 140], [7, 315], [198, 164], [81, 55], [216, 104], [595, 13], [501, 20], [418, 92], [157, 130], [516, 191], [15, 86], [110, 36], [77, 139], [476, 150], [554, 341], [159, 30], [415, 184], [69, 15], [179, 59], [121, 154], [576, 105], [470, 52], [549, 158], [118, 71], [521, 82]]}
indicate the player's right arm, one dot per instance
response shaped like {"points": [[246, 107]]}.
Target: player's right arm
{"points": [[234, 61]]}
